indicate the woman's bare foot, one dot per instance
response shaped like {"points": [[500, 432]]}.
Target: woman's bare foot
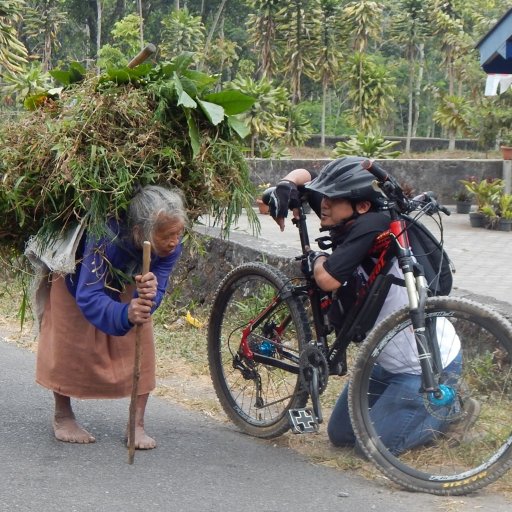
{"points": [[67, 429], [142, 440]]}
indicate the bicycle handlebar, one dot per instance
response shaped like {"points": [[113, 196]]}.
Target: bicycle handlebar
{"points": [[373, 167], [426, 201]]}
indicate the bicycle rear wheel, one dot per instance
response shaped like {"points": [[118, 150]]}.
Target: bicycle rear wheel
{"points": [[254, 308], [466, 436]]}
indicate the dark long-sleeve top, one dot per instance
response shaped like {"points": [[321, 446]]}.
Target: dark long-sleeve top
{"points": [[105, 265]]}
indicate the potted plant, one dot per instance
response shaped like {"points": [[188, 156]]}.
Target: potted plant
{"points": [[506, 144], [491, 216], [462, 201], [505, 213], [486, 193], [262, 207]]}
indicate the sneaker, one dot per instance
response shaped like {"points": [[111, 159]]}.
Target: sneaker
{"points": [[458, 431]]}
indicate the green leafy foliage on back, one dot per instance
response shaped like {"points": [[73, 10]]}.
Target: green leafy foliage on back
{"points": [[84, 152]]}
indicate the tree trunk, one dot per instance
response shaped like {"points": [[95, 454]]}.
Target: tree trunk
{"points": [[99, 12], [451, 140], [410, 106], [417, 92], [322, 123], [212, 31], [176, 5], [141, 26], [118, 12]]}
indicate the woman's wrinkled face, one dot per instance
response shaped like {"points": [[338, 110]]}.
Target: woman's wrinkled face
{"points": [[167, 236]]}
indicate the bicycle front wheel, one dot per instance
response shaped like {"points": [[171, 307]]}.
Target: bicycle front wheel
{"points": [[463, 435], [257, 330]]}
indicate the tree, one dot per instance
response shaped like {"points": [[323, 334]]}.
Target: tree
{"points": [[410, 28], [327, 55], [363, 21], [181, 32], [125, 35], [213, 28], [297, 20], [43, 20], [449, 27], [371, 91], [12, 51], [221, 56], [267, 117], [141, 23], [262, 29], [452, 114]]}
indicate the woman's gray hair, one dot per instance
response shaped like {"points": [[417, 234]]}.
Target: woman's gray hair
{"points": [[150, 206]]}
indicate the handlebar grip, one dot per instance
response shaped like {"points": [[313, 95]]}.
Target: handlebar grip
{"points": [[445, 210], [375, 169]]}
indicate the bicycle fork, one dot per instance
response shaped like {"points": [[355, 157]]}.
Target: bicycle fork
{"points": [[416, 286]]}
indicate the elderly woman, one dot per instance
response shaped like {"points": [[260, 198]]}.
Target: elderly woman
{"points": [[87, 336]]}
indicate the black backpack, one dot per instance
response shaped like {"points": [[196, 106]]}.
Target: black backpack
{"points": [[430, 254]]}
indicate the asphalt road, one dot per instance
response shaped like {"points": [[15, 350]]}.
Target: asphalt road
{"points": [[199, 465]]}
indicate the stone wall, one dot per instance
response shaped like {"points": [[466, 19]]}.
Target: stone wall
{"points": [[199, 273], [441, 176]]}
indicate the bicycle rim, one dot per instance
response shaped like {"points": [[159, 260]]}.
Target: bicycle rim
{"points": [[456, 455], [257, 398]]}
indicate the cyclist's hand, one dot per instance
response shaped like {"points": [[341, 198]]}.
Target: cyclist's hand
{"points": [[308, 263], [285, 196]]}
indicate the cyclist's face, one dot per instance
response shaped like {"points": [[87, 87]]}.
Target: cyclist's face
{"points": [[334, 211], [166, 236]]}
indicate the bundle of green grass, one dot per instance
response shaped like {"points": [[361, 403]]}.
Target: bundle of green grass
{"points": [[83, 149]]}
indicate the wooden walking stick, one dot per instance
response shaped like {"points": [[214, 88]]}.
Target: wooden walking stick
{"points": [[146, 259]]}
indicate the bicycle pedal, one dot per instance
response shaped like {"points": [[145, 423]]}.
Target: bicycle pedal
{"points": [[302, 421]]}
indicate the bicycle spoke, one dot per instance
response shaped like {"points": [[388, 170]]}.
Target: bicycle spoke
{"points": [[257, 395], [463, 438]]}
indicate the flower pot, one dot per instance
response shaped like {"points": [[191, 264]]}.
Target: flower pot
{"points": [[477, 219], [506, 152], [505, 225], [463, 206], [262, 207]]}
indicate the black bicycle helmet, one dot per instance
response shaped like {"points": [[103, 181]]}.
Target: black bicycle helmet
{"points": [[344, 178]]}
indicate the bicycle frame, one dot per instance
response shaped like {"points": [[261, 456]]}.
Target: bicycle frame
{"points": [[361, 317]]}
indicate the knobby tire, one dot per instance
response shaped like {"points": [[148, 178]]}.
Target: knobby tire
{"points": [[449, 464], [242, 295]]}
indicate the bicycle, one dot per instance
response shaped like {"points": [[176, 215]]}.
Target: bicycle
{"points": [[269, 352]]}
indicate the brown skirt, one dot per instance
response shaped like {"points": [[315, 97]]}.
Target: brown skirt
{"points": [[76, 359]]}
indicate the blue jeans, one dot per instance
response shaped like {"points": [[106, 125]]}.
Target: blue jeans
{"points": [[398, 411]]}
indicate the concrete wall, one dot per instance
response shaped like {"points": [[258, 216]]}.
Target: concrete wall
{"points": [[199, 272], [441, 176]]}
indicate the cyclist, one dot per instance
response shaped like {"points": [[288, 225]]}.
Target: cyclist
{"points": [[343, 195]]}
